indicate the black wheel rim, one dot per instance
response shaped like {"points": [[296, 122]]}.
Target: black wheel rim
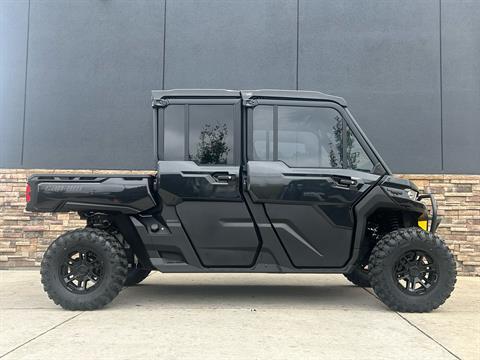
{"points": [[82, 271], [415, 272]]}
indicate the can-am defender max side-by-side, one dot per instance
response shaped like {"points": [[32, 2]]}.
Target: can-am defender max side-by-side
{"points": [[248, 181]]}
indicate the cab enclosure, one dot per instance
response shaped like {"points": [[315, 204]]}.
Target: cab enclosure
{"points": [[267, 181]]}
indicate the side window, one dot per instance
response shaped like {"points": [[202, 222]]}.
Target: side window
{"points": [[309, 136], [209, 133], [306, 137], [355, 157]]}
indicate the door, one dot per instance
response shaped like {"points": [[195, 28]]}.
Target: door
{"points": [[307, 167], [199, 174]]}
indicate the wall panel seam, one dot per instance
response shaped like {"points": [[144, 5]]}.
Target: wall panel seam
{"points": [[441, 84], [164, 41], [25, 85], [298, 46]]}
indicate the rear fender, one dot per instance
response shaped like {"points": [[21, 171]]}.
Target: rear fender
{"points": [[124, 224]]}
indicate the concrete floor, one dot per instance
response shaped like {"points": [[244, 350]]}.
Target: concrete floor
{"points": [[235, 316]]}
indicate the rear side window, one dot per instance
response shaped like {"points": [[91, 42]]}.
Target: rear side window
{"points": [[210, 135], [306, 137], [200, 133]]}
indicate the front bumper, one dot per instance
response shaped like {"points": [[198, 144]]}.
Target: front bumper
{"points": [[433, 219]]}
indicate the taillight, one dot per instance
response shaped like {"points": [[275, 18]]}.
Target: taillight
{"points": [[28, 192]]}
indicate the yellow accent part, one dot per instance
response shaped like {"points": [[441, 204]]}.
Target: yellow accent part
{"points": [[423, 224]]}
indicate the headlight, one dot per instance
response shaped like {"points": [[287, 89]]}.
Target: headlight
{"points": [[412, 194]]}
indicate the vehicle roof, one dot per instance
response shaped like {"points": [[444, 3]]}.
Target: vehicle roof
{"points": [[248, 94]]}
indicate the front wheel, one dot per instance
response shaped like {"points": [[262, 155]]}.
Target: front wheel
{"points": [[84, 269], [412, 270]]}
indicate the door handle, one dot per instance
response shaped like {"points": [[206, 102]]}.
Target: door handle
{"points": [[223, 178], [346, 181]]}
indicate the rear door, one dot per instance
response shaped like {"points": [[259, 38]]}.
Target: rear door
{"points": [[306, 166], [199, 173]]}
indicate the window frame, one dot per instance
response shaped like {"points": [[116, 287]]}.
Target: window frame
{"points": [[186, 102], [275, 103]]}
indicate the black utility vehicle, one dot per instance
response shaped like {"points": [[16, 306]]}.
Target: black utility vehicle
{"points": [[248, 181]]}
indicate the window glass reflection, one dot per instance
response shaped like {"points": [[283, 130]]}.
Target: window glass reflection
{"points": [[307, 137], [355, 156], [211, 134]]}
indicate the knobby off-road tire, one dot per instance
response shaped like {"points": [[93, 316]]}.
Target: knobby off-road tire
{"points": [[136, 274], [90, 254], [359, 276], [402, 257]]}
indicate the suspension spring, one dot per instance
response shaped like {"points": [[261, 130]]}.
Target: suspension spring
{"points": [[393, 221]]}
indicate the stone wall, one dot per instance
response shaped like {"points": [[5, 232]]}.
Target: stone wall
{"points": [[458, 198], [25, 236]]}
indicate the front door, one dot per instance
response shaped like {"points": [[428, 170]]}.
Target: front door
{"points": [[199, 172], [306, 166]]}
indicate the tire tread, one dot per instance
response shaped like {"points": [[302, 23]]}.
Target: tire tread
{"points": [[115, 255], [378, 265]]}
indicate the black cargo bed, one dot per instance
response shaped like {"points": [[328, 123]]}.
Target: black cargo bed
{"points": [[127, 194]]}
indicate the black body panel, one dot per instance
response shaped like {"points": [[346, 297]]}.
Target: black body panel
{"points": [[184, 180], [223, 233], [112, 194], [165, 241], [310, 239]]}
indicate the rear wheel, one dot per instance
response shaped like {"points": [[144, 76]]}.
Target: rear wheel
{"points": [[84, 269], [359, 276], [412, 270]]}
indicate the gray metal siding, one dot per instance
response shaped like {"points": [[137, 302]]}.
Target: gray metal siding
{"points": [[461, 86], [383, 58], [13, 55], [408, 69], [231, 44], [91, 68]]}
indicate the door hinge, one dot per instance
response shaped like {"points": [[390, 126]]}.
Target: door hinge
{"points": [[159, 103], [250, 103]]}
